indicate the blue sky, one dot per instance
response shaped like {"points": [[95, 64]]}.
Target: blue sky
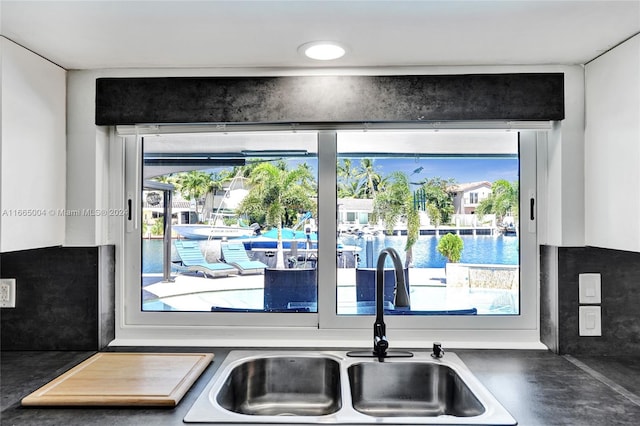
{"points": [[463, 170]]}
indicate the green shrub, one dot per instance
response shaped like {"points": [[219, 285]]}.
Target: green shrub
{"points": [[158, 227], [450, 246]]}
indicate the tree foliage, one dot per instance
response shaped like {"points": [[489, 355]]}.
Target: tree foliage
{"points": [[277, 196], [502, 201], [361, 181], [193, 185], [158, 227], [395, 203], [439, 197], [434, 215], [348, 184], [369, 177]]}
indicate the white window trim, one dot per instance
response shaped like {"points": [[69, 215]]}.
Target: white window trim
{"points": [[324, 329]]}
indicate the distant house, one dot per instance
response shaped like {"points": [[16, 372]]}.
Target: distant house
{"points": [[153, 208], [469, 195], [354, 213]]}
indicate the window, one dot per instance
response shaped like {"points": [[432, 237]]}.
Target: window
{"points": [[410, 183], [243, 212], [370, 189]]}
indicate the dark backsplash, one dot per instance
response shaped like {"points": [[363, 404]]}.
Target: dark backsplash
{"points": [[59, 307], [57, 302], [620, 273]]}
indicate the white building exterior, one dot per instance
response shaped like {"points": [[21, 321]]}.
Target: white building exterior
{"points": [[469, 195]]}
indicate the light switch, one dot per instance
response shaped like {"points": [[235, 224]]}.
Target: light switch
{"points": [[590, 321], [590, 288]]}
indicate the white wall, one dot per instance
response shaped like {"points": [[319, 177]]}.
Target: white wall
{"points": [[562, 220], [612, 159], [33, 150], [89, 163]]}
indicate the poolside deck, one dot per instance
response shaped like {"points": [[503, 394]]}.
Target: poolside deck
{"points": [[427, 292]]}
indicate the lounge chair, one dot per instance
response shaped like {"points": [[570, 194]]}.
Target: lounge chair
{"points": [[192, 260], [235, 255]]}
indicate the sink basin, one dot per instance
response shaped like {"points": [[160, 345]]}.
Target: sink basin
{"points": [[328, 387], [279, 386], [411, 389]]}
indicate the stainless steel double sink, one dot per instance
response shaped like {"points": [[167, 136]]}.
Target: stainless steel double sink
{"points": [[329, 387]]}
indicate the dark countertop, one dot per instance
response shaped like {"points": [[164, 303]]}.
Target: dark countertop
{"points": [[537, 387]]}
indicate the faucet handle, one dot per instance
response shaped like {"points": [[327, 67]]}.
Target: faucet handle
{"points": [[438, 352], [380, 344]]}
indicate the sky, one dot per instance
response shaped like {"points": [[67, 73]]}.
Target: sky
{"points": [[463, 170]]}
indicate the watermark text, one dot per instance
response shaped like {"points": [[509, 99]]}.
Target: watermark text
{"points": [[63, 212]]}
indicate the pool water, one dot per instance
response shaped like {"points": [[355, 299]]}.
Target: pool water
{"points": [[481, 249]]}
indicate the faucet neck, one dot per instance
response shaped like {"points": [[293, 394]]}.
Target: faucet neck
{"points": [[380, 281], [401, 295], [380, 342], [379, 328]]}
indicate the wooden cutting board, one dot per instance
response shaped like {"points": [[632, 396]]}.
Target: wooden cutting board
{"points": [[122, 379]]}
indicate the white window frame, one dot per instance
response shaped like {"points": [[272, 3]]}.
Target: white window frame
{"points": [[324, 328]]}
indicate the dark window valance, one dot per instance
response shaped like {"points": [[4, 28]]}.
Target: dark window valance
{"points": [[323, 99]]}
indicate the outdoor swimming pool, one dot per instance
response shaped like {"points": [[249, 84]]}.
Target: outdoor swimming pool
{"points": [[481, 249]]}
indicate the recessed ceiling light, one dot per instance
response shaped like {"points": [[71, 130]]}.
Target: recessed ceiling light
{"points": [[322, 50]]}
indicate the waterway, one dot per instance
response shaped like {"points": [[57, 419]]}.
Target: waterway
{"points": [[481, 249]]}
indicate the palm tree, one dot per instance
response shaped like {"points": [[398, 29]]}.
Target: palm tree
{"points": [[170, 179], [347, 183], [194, 185], [276, 197], [352, 190], [245, 171], [503, 200], [396, 203], [218, 180], [370, 178]]}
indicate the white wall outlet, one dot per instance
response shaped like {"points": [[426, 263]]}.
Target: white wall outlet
{"points": [[7, 292], [590, 288], [590, 321]]}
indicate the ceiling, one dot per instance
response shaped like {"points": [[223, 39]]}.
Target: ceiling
{"points": [[93, 34]]}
